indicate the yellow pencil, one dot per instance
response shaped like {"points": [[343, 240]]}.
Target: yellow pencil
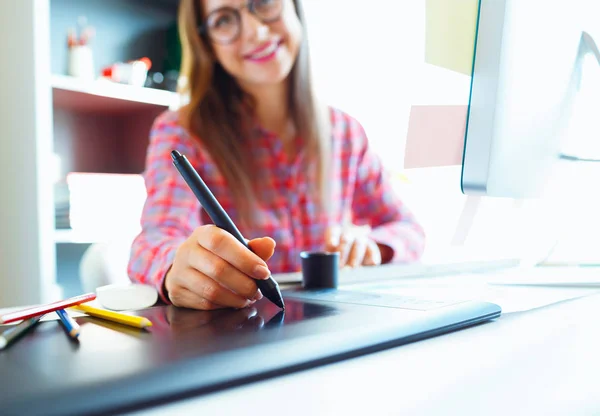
{"points": [[135, 321]]}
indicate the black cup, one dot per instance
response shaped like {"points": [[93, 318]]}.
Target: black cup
{"points": [[320, 269]]}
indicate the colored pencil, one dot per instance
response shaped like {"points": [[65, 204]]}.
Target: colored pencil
{"points": [[69, 323], [16, 331], [42, 309], [121, 318]]}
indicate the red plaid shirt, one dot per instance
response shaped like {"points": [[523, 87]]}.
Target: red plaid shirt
{"points": [[362, 192]]}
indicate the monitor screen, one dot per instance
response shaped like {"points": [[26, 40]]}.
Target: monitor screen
{"points": [[527, 71]]}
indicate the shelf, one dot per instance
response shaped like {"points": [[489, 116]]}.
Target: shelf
{"points": [[69, 236], [106, 96]]}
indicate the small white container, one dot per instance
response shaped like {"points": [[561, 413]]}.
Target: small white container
{"points": [[81, 62]]}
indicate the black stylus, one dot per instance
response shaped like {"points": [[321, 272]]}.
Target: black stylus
{"points": [[268, 287]]}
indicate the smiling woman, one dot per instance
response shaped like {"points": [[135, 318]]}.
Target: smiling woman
{"points": [[293, 173], [237, 39], [277, 48]]}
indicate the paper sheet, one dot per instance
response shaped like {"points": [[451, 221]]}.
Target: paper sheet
{"points": [[450, 34], [483, 287]]}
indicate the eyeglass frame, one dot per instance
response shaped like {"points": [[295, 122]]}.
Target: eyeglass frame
{"points": [[249, 4]]}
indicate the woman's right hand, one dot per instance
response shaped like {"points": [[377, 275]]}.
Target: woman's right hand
{"points": [[213, 270]]}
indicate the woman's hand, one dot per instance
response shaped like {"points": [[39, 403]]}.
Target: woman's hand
{"points": [[355, 247], [213, 270]]}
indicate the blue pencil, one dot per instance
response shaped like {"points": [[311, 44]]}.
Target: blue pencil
{"points": [[69, 323]]}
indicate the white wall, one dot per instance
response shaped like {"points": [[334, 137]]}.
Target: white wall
{"points": [[366, 54], [369, 58]]}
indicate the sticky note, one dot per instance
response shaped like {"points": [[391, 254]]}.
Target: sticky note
{"points": [[450, 28]]}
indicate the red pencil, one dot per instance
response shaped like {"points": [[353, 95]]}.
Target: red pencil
{"points": [[50, 307]]}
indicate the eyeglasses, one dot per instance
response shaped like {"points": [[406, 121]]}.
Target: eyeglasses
{"points": [[224, 24]]}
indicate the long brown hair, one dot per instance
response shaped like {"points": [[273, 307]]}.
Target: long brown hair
{"points": [[217, 111]]}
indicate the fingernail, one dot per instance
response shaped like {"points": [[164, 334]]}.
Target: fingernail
{"points": [[258, 296], [261, 272]]}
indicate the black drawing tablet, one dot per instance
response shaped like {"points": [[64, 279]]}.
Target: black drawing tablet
{"points": [[186, 352]]}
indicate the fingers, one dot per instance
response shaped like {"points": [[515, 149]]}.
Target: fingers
{"points": [[213, 270], [219, 270], [344, 247], [354, 245], [211, 290], [338, 240], [356, 252], [184, 298], [355, 248], [225, 246], [263, 247], [193, 289], [332, 238], [372, 254]]}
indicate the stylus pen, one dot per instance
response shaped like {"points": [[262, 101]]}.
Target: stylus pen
{"points": [[268, 287]]}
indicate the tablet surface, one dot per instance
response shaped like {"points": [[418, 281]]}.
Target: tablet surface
{"points": [[188, 352]]}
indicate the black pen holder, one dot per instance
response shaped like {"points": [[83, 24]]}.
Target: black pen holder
{"points": [[320, 269]]}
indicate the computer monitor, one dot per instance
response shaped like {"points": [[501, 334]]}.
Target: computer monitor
{"points": [[527, 67]]}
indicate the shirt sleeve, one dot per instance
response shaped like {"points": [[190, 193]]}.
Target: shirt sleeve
{"points": [[376, 203], [171, 212]]}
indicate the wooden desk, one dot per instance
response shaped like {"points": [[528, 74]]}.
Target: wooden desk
{"points": [[543, 361]]}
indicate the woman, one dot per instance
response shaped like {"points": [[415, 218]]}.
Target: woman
{"points": [[284, 167]]}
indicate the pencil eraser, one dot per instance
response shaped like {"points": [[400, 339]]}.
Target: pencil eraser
{"points": [[124, 297]]}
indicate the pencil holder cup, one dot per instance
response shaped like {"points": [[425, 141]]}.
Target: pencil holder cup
{"points": [[320, 269], [81, 62]]}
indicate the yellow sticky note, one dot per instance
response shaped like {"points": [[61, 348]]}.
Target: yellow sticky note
{"points": [[450, 33]]}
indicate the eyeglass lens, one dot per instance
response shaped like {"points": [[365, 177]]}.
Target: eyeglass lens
{"points": [[224, 24]]}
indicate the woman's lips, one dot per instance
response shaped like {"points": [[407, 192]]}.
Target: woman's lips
{"points": [[264, 52]]}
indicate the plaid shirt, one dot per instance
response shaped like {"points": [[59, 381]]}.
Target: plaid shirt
{"points": [[361, 192]]}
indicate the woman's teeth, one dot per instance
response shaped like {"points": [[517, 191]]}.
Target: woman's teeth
{"points": [[265, 52]]}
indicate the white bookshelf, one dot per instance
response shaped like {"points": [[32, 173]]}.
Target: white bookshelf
{"points": [[61, 124], [70, 236], [76, 103], [103, 95]]}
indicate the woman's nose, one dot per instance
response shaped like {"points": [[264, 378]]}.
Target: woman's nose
{"points": [[253, 29]]}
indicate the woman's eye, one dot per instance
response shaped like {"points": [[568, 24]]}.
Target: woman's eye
{"points": [[224, 20], [261, 4]]}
